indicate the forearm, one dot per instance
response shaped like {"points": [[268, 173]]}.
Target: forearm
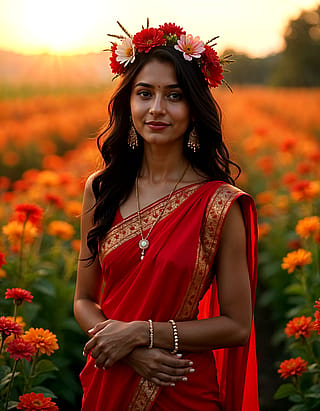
{"points": [[200, 335], [88, 313]]}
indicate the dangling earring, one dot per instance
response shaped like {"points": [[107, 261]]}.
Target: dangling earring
{"points": [[132, 136], [193, 141]]}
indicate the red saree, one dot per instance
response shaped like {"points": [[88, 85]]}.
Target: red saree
{"points": [[169, 282]]}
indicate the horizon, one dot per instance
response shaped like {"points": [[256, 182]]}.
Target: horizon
{"points": [[80, 27]]}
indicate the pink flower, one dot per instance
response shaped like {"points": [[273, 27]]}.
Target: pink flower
{"points": [[190, 47], [20, 349]]}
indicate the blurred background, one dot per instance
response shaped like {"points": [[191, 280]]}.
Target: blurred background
{"points": [[54, 87]]}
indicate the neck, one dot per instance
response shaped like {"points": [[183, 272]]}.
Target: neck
{"points": [[161, 164]]}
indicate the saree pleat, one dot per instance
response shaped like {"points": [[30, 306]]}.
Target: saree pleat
{"points": [[169, 283]]}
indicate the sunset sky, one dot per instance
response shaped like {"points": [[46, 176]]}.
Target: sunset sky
{"points": [[79, 26]]}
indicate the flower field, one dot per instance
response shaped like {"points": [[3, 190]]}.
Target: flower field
{"points": [[47, 150]]}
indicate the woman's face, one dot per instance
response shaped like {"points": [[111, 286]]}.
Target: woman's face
{"points": [[160, 112]]}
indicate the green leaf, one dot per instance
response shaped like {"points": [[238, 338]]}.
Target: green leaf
{"points": [[284, 391], [45, 366], [44, 390], [295, 289], [45, 287], [12, 405], [313, 395], [4, 371], [299, 407]]}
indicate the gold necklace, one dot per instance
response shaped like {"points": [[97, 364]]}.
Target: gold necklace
{"points": [[144, 242]]}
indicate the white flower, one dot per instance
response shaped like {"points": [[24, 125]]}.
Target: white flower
{"points": [[125, 52]]}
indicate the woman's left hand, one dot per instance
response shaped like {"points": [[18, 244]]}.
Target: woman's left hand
{"points": [[112, 340]]}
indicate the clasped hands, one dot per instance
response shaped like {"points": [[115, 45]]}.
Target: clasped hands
{"points": [[112, 341]]}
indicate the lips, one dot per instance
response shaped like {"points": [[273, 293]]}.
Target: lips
{"points": [[157, 125]]}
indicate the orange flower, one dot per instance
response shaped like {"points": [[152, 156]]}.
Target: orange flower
{"points": [[265, 197], [296, 259], [299, 327], [263, 230], [73, 208], [48, 178], [15, 229], [36, 402], [75, 244], [44, 341], [29, 212], [292, 367], [61, 229], [307, 226]]}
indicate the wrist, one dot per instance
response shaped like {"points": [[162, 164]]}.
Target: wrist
{"points": [[141, 333]]}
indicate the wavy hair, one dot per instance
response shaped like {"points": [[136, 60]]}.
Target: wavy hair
{"points": [[112, 186]]}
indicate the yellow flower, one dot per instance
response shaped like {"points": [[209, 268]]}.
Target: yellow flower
{"points": [[14, 231], [308, 226], [73, 208], [61, 229], [296, 259], [44, 341]]}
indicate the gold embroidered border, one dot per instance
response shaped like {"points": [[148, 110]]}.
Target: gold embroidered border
{"points": [[129, 227], [216, 211]]}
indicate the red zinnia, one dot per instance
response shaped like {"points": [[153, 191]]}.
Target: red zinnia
{"points": [[29, 212], [20, 349], [211, 66], [316, 323], [2, 260], [19, 295], [116, 67], [292, 367], [8, 327], [148, 38], [33, 402], [171, 29], [317, 305], [299, 327]]}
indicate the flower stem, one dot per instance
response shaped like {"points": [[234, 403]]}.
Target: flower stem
{"points": [[30, 378], [10, 384]]}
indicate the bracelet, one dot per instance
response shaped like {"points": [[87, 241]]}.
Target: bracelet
{"points": [[175, 337], [150, 334]]}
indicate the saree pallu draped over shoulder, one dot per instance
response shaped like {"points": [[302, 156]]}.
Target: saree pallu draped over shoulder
{"points": [[175, 281]]}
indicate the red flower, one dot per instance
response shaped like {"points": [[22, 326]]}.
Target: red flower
{"points": [[29, 212], [292, 367], [54, 199], [316, 323], [148, 38], [211, 67], [20, 349], [116, 67], [34, 402], [19, 295], [8, 327], [171, 29], [299, 327], [317, 305], [2, 260]]}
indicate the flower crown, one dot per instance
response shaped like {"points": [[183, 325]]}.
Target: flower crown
{"points": [[168, 34]]}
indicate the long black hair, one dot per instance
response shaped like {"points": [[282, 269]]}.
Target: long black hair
{"points": [[115, 182]]}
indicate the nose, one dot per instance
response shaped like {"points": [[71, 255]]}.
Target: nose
{"points": [[157, 105]]}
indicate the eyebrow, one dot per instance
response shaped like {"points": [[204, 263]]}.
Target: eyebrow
{"points": [[169, 86]]}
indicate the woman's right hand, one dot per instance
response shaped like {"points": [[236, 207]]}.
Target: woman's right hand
{"points": [[159, 366]]}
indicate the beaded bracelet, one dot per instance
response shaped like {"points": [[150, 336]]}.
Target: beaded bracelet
{"points": [[175, 337], [150, 334]]}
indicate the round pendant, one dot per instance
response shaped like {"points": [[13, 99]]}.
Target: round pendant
{"points": [[143, 244]]}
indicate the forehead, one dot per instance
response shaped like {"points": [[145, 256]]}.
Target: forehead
{"points": [[157, 73]]}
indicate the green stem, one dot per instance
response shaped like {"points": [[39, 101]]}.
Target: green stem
{"points": [[10, 384], [31, 376], [2, 342], [15, 311], [296, 383]]}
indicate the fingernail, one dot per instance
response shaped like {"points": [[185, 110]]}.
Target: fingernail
{"points": [[192, 370], [84, 354], [179, 355], [184, 379], [90, 331], [190, 363], [172, 384], [95, 366]]}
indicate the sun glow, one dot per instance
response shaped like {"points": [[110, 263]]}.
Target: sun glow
{"points": [[59, 26]]}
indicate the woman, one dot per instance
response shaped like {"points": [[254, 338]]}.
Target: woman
{"points": [[167, 239]]}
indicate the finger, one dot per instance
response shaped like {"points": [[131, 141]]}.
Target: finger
{"points": [[97, 328], [175, 371], [89, 346], [162, 383], [171, 378], [173, 361]]}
